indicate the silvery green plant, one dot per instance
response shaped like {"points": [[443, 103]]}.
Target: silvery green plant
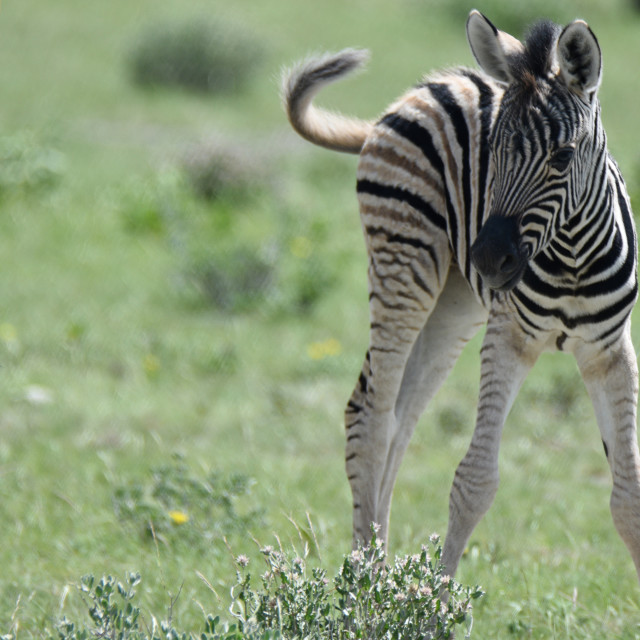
{"points": [[369, 598]]}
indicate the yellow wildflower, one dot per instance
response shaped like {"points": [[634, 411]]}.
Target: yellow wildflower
{"points": [[324, 349], [332, 347], [179, 517]]}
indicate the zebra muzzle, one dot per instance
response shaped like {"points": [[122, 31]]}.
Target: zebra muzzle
{"points": [[497, 253]]}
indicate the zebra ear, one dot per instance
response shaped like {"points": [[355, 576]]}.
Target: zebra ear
{"points": [[491, 47], [579, 59]]}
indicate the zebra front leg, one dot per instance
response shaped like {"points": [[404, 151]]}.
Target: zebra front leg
{"points": [[611, 377], [506, 358]]}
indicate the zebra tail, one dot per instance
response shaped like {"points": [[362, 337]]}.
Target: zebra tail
{"points": [[320, 126]]}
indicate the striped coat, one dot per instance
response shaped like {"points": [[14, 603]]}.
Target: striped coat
{"points": [[487, 198]]}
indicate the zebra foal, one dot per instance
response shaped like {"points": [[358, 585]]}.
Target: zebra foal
{"points": [[486, 197]]}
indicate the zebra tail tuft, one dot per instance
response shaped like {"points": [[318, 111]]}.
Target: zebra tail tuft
{"points": [[327, 129]]}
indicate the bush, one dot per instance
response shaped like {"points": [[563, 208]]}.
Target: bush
{"points": [[26, 166], [196, 54], [369, 599], [409, 599], [234, 280], [214, 173], [178, 506]]}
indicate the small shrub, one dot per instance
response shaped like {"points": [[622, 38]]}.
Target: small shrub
{"points": [[26, 166], [178, 506], [195, 54], [214, 173], [368, 599], [235, 281], [114, 614], [111, 609]]}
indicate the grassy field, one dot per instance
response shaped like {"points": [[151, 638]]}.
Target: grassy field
{"points": [[156, 345]]}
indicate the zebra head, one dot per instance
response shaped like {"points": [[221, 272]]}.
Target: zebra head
{"points": [[547, 143]]}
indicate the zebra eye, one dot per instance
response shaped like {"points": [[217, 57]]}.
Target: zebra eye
{"points": [[561, 158]]}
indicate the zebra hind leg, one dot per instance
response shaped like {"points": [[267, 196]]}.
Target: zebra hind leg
{"points": [[611, 378], [370, 426], [399, 311], [456, 318]]}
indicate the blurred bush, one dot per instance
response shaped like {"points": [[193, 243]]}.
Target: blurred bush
{"points": [[196, 54], [26, 166], [216, 173], [176, 504], [235, 279]]}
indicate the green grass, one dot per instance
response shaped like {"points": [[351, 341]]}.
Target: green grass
{"points": [[113, 359]]}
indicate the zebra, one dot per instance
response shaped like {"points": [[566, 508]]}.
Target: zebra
{"points": [[487, 198]]}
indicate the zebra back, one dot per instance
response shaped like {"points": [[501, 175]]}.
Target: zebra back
{"points": [[426, 167]]}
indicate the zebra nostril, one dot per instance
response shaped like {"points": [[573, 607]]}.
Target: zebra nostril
{"points": [[508, 263], [496, 253]]}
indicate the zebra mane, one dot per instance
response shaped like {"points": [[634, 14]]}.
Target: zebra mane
{"points": [[534, 61]]}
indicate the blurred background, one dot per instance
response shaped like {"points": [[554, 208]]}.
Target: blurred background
{"points": [[183, 313]]}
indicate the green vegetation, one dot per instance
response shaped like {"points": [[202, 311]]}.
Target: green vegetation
{"points": [[368, 599], [183, 314], [177, 507], [198, 54]]}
